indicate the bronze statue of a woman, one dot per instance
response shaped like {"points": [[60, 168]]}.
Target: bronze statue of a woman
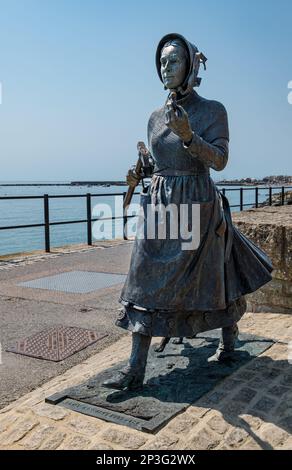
{"points": [[171, 291]]}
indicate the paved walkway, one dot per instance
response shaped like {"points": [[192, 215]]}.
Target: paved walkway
{"points": [[252, 409], [25, 311]]}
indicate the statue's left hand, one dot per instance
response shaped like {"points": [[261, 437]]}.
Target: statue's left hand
{"points": [[176, 118]]}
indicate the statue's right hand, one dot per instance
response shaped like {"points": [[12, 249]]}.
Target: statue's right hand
{"points": [[132, 178]]}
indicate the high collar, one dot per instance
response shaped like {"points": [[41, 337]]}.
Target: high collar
{"points": [[189, 98]]}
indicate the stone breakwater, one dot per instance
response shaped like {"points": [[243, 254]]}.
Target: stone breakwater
{"points": [[277, 199], [278, 180], [271, 229]]}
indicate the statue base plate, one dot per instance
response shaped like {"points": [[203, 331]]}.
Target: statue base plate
{"points": [[174, 379]]}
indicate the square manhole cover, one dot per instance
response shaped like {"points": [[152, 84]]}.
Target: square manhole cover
{"points": [[56, 343], [77, 282]]}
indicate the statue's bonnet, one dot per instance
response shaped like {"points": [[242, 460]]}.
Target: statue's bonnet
{"points": [[195, 58]]}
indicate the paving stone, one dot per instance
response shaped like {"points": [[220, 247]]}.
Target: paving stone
{"points": [[287, 422], [76, 443], [250, 422], [50, 411], [37, 436], [100, 446], [245, 395], [24, 410], [18, 431], [203, 439], [217, 397], [6, 421], [273, 434], [212, 399], [256, 365], [182, 424], [287, 445], [163, 442], [258, 383], [286, 380], [197, 411], [54, 441], [285, 407], [232, 408], [84, 425], [271, 374], [218, 424], [284, 365], [251, 444], [231, 384], [123, 438], [235, 438], [264, 405], [245, 375], [278, 390], [221, 447]]}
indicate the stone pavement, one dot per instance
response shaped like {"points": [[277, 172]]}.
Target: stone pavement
{"points": [[251, 409]]}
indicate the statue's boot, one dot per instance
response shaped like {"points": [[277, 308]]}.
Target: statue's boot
{"points": [[132, 376], [225, 350]]}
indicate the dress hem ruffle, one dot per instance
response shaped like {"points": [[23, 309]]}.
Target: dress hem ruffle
{"points": [[179, 323]]}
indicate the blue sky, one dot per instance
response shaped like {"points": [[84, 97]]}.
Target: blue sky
{"points": [[79, 82]]}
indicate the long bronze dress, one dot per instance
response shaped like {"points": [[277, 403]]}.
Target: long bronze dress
{"points": [[170, 291]]}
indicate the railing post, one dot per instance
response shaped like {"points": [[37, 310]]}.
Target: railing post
{"points": [[89, 228], [241, 199], [223, 191], [257, 196], [47, 222], [270, 195], [124, 218], [283, 195]]}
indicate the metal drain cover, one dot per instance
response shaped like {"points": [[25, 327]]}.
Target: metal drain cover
{"points": [[77, 282], [56, 343]]}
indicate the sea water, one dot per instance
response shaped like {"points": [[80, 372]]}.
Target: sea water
{"points": [[31, 211]]}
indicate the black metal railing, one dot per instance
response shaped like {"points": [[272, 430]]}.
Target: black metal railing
{"points": [[271, 189], [47, 224]]}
